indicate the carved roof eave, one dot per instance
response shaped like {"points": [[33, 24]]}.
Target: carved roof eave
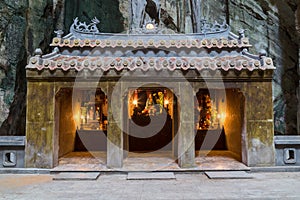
{"points": [[65, 63], [225, 40]]}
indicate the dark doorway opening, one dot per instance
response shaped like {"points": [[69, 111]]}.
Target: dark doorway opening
{"points": [[150, 121]]}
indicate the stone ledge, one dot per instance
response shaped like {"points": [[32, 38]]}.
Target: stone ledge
{"points": [[287, 140], [12, 141], [276, 169], [24, 171]]}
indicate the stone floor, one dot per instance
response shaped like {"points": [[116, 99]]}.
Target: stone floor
{"points": [[159, 161], [186, 186]]}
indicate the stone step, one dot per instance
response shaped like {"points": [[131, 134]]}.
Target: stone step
{"points": [[151, 176], [73, 176], [228, 175]]}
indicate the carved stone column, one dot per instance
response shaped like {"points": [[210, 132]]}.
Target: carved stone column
{"points": [[114, 130], [186, 132], [40, 125], [259, 139]]}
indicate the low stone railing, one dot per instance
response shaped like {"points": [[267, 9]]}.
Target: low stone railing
{"points": [[12, 151], [287, 150]]}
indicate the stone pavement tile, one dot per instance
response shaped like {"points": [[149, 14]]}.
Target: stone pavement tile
{"points": [[151, 176], [191, 177], [110, 177], [162, 196], [76, 176], [229, 175], [186, 186], [12, 182]]}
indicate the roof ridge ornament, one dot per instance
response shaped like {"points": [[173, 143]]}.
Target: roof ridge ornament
{"points": [[208, 27], [82, 27], [151, 27]]}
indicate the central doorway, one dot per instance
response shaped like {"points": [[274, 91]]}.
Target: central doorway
{"points": [[150, 120]]}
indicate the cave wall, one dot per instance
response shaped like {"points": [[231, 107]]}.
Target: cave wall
{"points": [[107, 11], [29, 24], [271, 25], [12, 62]]}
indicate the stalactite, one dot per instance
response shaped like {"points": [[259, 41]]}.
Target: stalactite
{"points": [[196, 8], [58, 13], [181, 15]]}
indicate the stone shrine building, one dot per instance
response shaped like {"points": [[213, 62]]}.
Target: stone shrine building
{"points": [[151, 91]]}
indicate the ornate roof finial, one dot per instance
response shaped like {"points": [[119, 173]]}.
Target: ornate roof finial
{"points": [[59, 33], [38, 52], [82, 27], [242, 33], [262, 53]]}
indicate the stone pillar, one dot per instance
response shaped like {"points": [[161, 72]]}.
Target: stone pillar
{"points": [[186, 132], [259, 138], [40, 125], [114, 131]]}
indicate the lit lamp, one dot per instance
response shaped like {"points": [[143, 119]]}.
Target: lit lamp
{"points": [[221, 118], [167, 103], [77, 119], [135, 103], [150, 26]]}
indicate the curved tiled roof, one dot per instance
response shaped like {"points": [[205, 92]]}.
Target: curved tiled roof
{"points": [[184, 52], [145, 63]]}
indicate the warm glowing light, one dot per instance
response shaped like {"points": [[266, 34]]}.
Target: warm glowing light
{"points": [[223, 115], [167, 102], [82, 117], [218, 116], [135, 102], [150, 26], [76, 117]]}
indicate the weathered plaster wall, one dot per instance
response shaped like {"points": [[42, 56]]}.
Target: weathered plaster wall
{"points": [[29, 24], [67, 125], [235, 108], [40, 125]]}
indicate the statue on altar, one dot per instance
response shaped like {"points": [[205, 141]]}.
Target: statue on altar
{"points": [[160, 102], [150, 107]]}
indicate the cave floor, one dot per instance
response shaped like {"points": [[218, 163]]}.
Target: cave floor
{"points": [[158, 161]]}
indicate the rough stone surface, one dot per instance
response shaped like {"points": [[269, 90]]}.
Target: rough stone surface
{"points": [[29, 24], [271, 26], [186, 186], [107, 11], [12, 62]]}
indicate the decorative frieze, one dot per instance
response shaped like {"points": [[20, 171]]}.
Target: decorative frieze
{"points": [[149, 42], [145, 63]]}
